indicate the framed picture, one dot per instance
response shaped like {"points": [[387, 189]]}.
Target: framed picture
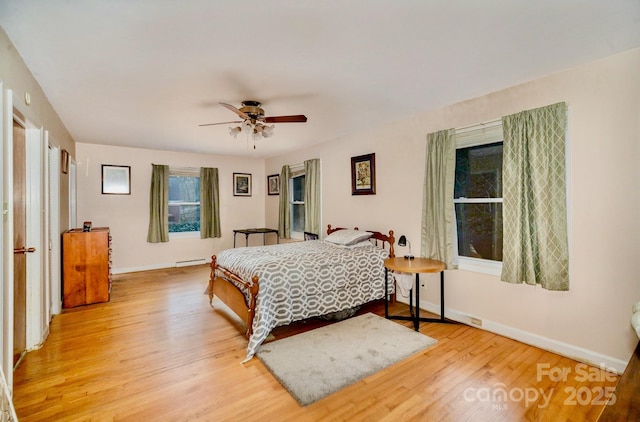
{"points": [[241, 184], [116, 180], [64, 161], [363, 175], [273, 184]]}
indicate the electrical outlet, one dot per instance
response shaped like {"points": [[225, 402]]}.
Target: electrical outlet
{"points": [[476, 321]]}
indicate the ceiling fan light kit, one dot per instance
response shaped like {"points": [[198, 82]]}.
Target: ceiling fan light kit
{"points": [[246, 127], [233, 131], [257, 130], [253, 120]]}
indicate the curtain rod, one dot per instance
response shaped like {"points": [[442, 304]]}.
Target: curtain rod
{"points": [[184, 168], [178, 168], [488, 123]]}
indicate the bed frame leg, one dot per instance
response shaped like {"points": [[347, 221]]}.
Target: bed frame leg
{"points": [[252, 305], [212, 276]]}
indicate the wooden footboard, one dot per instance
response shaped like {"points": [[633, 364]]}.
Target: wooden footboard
{"points": [[231, 295]]}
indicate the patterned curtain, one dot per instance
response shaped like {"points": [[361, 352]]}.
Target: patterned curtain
{"points": [[284, 221], [209, 203], [312, 196], [159, 205], [535, 248], [437, 204]]}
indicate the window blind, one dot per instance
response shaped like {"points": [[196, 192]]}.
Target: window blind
{"points": [[483, 133], [184, 171], [296, 170]]}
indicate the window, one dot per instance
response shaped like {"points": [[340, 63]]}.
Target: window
{"points": [[296, 201], [478, 194], [184, 201]]}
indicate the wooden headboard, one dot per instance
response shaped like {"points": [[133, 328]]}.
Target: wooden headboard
{"points": [[376, 237]]}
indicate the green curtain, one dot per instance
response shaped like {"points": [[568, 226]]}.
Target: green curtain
{"points": [[535, 246], [159, 205], [437, 203], [284, 220], [209, 203], [312, 196]]}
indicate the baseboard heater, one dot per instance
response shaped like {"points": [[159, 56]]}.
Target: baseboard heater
{"points": [[191, 262]]}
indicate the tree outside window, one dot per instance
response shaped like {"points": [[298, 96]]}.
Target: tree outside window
{"points": [[184, 203], [478, 201]]}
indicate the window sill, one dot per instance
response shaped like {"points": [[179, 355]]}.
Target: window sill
{"points": [[483, 266], [297, 235], [184, 235]]}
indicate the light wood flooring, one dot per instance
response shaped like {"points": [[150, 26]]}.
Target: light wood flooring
{"points": [[158, 352]]}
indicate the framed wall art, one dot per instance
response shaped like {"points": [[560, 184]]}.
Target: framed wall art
{"points": [[273, 184], [241, 184], [363, 175], [116, 180]]}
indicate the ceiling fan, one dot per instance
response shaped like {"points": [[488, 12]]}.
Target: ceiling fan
{"points": [[254, 121]]}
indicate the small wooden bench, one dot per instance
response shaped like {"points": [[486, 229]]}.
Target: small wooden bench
{"points": [[627, 395]]}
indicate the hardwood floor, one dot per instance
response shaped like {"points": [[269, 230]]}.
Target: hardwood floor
{"points": [[157, 351]]}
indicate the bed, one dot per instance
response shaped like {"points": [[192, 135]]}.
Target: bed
{"points": [[270, 286]]}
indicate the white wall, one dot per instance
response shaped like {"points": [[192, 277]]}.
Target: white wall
{"points": [[127, 216], [591, 320], [17, 77], [16, 80]]}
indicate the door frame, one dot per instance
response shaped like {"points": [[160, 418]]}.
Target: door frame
{"points": [[3, 205], [55, 249], [7, 222], [73, 188], [37, 288], [38, 293]]}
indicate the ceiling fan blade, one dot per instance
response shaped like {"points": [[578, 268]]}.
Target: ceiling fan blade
{"points": [[235, 110], [298, 118], [221, 123]]}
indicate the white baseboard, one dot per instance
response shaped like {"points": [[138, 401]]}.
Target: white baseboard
{"points": [[142, 268], [190, 262], [45, 334], [564, 349], [160, 266]]}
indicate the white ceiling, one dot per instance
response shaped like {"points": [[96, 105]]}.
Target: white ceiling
{"points": [[146, 73]]}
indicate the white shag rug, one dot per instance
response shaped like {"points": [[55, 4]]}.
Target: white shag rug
{"points": [[317, 363]]}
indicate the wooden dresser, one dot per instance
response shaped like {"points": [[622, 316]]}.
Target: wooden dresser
{"points": [[86, 266]]}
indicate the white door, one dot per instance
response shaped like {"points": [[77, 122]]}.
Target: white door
{"points": [[54, 231]]}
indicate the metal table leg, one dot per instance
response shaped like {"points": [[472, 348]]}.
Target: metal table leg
{"points": [[416, 322], [386, 292]]}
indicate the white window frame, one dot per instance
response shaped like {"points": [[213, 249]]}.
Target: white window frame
{"points": [[187, 172], [297, 171], [471, 136]]}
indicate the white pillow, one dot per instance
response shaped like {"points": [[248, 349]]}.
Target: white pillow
{"points": [[364, 243], [348, 237]]}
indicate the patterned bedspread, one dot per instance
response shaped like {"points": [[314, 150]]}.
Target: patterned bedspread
{"points": [[305, 279]]}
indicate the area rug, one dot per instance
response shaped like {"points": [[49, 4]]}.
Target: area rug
{"points": [[317, 363]]}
